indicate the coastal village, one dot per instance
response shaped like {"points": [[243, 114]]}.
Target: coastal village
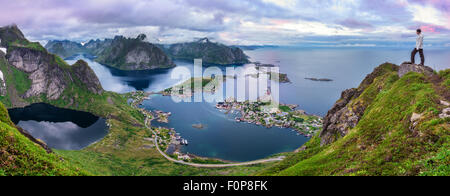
{"points": [[285, 116], [167, 138], [259, 113]]}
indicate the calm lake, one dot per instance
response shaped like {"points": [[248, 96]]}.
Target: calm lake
{"points": [[223, 138], [61, 129]]}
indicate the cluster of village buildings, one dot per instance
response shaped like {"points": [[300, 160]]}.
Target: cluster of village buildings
{"points": [[261, 113]]}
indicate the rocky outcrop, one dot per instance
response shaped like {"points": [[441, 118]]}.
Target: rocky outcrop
{"points": [[209, 52], [46, 76], [445, 113], [33, 139], [49, 75], [339, 119], [87, 76], [407, 67], [348, 110], [10, 34]]}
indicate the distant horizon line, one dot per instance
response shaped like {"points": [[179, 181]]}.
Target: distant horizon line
{"points": [[408, 44]]}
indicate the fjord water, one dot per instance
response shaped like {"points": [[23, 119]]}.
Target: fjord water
{"points": [[120, 81], [223, 138], [61, 129], [346, 66]]}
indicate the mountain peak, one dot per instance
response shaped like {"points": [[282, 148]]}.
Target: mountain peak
{"points": [[10, 34], [203, 40], [141, 37], [407, 67]]}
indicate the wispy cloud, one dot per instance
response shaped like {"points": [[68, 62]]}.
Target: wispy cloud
{"points": [[285, 22]]}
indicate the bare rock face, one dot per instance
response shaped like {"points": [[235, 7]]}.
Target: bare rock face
{"points": [[49, 75], [137, 57], [46, 76], [407, 67], [339, 119], [50, 78]]}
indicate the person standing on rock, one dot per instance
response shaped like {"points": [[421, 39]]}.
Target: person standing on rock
{"points": [[419, 48]]}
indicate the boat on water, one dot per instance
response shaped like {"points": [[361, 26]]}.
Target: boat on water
{"points": [[184, 142]]}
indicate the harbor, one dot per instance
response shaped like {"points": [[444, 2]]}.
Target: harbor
{"points": [[284, 116]]}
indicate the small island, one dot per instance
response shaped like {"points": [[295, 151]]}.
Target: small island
{"points": [[319, 79], [259, 64], [191, 82], [279, 77], [198, 126]]}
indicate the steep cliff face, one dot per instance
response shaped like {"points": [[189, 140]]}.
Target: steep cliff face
{"points": [[33, 72], [46, 75], [133, 54], [394, 123], [120, 52], [212, 53], [348, 110]]}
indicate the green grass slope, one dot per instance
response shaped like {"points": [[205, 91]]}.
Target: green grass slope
{"points": [[20, 156], [385, 141]]}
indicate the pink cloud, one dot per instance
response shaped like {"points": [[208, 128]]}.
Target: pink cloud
{"points": [[429, 29]]}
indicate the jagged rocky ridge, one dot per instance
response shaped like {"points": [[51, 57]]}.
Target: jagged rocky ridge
{"points": [[47, 74], [120, 52], [137, 54], [132, 54], [210, 52], [347, 111], [64, 48]]}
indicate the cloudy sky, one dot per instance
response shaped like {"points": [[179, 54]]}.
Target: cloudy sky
{"points": [[245, 22]]}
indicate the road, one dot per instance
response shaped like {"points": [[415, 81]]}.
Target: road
{"points": [[147, 121]]}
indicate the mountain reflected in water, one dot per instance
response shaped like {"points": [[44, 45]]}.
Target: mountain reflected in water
{"points": [[59, 128], [121, 81]]}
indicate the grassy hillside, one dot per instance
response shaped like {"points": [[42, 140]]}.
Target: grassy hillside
{"points": [[20, 156], [385, 141]]}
